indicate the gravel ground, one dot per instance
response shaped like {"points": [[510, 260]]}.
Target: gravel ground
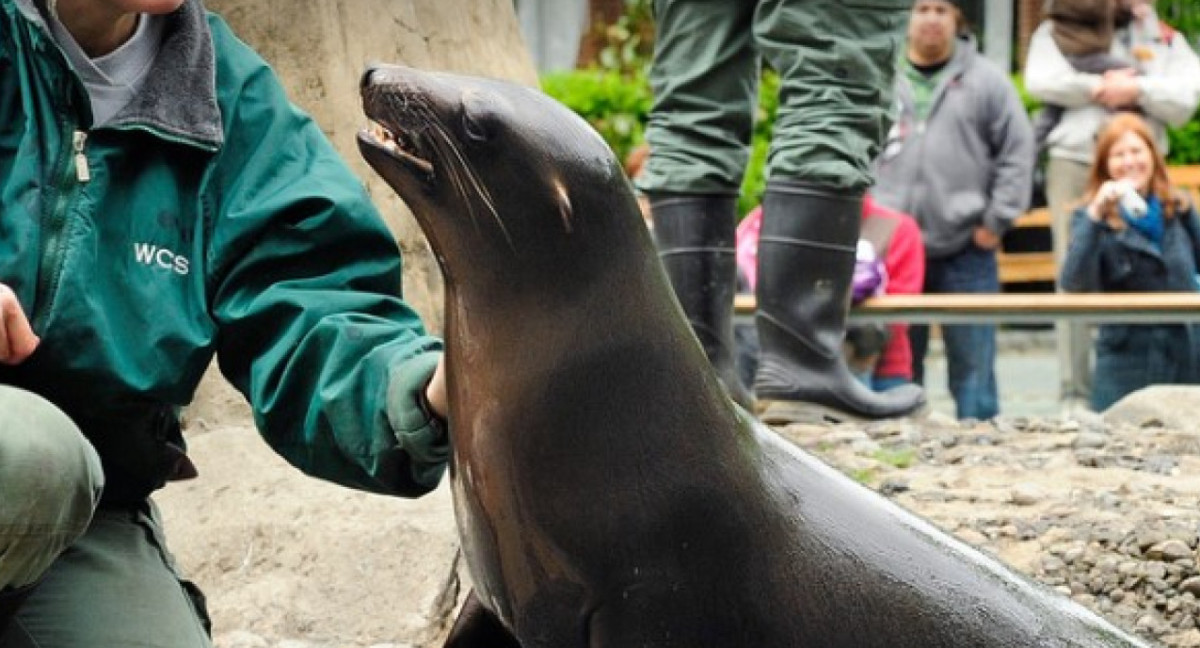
{"points": [[1106, 511]]}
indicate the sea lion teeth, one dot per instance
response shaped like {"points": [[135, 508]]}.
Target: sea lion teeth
{"points": [[396, 145], [380, 132]]}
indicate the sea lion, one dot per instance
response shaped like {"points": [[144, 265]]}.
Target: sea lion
{"points": [[607, 491]]}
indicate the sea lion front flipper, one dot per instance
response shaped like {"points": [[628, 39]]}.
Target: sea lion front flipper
{"points": [[477, 627]]}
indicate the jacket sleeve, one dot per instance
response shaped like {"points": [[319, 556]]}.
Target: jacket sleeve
{"points": [[1050, 78], [906, 259], [1010, 137], [905, 264], [1081, 266], [304, 283], [1173, 95]]}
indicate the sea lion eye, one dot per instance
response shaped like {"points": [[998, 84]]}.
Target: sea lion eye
{"points": [[479, 117]]}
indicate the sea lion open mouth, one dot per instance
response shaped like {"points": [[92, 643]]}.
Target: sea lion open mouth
{"points": [[426, 136], [400, 144], [399, 121]]}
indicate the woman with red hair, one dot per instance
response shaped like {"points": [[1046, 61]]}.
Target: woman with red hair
{"points": [[1134, 233]]}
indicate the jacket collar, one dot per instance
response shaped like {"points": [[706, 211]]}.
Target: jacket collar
{"points": [[179, 99]]}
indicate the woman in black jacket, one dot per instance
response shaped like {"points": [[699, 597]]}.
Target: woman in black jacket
{"points": [[1134, 233]]}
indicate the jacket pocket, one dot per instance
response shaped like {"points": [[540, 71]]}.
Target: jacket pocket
{"points": [[965, 209]]}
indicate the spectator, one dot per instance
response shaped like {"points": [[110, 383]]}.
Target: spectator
{"points": [[1122, 244], [162, 201], [1166, 90], [1082, 31], [882, 359], [959, 159], [896, 238], [835, 61]]}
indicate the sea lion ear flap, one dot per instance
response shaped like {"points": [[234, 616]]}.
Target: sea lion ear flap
{"points": [[565, 211]]}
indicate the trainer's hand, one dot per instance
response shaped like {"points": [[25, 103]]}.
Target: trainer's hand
{"points": [[435, 391], [17, 339]]}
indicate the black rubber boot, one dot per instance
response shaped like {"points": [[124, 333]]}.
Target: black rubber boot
{"points": [[695, 235], [10, 602], [806, 255]]}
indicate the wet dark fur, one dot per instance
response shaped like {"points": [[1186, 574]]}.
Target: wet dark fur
{"points": [[607, 492]]}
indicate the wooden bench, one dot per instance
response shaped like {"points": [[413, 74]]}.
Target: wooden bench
{"points": [[1029, 266], [1039, 266], [1020, 308]]}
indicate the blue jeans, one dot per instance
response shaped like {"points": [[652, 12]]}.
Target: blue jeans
{"points": [[970, 348]]}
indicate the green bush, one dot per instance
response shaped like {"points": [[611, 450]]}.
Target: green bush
{"points": [[1031, 105], [1185, 143], [756, 174], [1183, 15], [617, 104]]}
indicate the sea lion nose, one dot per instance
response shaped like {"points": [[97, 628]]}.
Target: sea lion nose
{"points": [[371, 71]]}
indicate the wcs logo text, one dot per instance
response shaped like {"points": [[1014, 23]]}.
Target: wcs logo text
{"points": [[152, 255]]}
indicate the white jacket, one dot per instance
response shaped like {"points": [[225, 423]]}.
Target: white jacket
{"points": [[1170, 85]]}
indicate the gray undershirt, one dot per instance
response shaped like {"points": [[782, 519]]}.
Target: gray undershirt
{"points": [[113, 80]]}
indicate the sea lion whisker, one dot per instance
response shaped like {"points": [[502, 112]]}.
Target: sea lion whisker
{"points": [[453, 173], [464, 167]]}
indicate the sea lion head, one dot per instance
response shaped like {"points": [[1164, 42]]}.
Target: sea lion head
{"points": [[493, 168]]}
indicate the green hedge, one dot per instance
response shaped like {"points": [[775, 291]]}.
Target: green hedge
{"points": [[1183, 15], [617, 104]]}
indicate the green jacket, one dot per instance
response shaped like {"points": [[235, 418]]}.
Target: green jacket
{"points": [[209, 216]]}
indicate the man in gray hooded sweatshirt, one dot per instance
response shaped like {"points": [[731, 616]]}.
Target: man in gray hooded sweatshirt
{"points": [[958, 158]]}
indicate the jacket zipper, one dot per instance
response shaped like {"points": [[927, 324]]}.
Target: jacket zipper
{"points": [[919, 128], [82, 172], [74, 171]]}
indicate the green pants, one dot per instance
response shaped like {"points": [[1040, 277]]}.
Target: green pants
{"points": [[104, 577], [835, 59]]}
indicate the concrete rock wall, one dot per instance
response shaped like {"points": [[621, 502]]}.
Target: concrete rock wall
{"points": [[319, 49]]}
